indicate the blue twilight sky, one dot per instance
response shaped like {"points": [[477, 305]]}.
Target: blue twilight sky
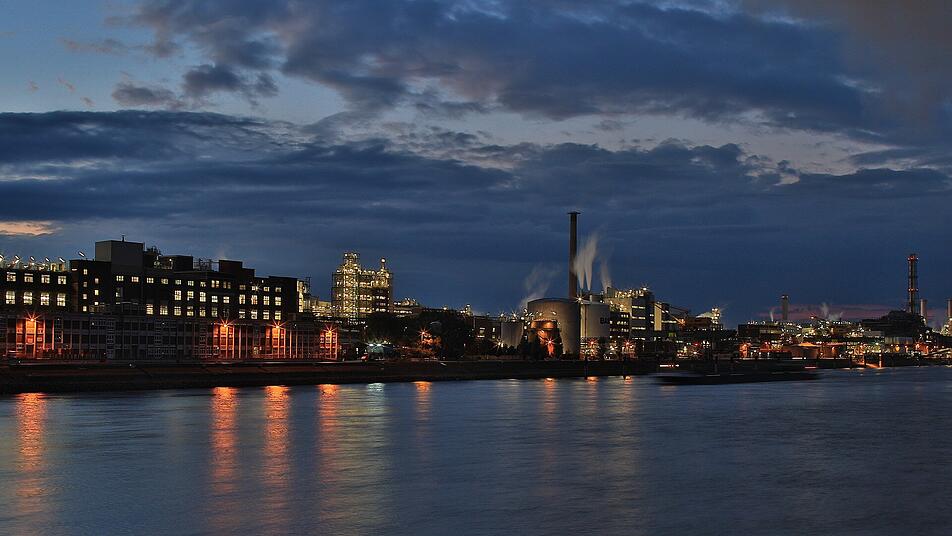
{"points": [[722, 152]]}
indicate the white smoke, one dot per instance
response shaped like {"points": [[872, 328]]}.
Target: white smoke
{"points": [[827, 314], [772, 309], [585, 262], [537, 283], [604, 274]]}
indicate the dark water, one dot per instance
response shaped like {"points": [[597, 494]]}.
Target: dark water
{"points": [[862, 452]]}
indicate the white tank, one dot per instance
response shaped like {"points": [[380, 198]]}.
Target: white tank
{"points": [[596, 320], [510, 332], [566, 313]]}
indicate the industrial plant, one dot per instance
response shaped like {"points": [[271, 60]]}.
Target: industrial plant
{"points": [[130, 302]]}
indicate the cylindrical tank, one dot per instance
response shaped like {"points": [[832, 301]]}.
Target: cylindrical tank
{"points": [[596, 320], [566, 313], [510, 332]]}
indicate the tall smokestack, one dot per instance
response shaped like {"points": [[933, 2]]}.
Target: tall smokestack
{"points": [[913, 304], [924, 310], [573, 252], [785, 308]]}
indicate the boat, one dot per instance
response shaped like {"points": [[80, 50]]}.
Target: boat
{"points": [[736, 377]]}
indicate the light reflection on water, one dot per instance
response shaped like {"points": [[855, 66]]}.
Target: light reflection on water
{"points": [[853, 452]]}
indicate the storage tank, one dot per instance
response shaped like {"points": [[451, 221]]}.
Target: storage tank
{"points": [[566, 314], [510, 332], [596, 320]]}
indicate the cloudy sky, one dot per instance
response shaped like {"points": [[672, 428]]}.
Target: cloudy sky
{"points": [[722, 151]]}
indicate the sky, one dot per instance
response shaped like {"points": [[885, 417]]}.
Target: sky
{"points": [[721, 152]]}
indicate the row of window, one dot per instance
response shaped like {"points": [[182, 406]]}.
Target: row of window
{"points": [[27, 298], [214, 283], [29, 278], [178, 310]]}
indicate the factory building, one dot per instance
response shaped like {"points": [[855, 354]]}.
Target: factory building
{"points": [[178, 285], [129, 302], [358, 292], [648, 318], [34, 286]]}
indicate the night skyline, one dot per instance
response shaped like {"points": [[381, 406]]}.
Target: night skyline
{"points": [[723, 152]]}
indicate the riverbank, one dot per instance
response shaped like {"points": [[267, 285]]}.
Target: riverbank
{"points": [[72, 377], [56, 377]]}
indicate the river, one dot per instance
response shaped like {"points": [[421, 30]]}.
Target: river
{"points": [[855, 452]]}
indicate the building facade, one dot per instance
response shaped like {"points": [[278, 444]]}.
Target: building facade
{"points": [[358, 292]]}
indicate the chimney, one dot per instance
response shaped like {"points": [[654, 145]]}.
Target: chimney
{"points": [[785, 308], [573, 252], [949, 312], [924, 310], [913, 304]]}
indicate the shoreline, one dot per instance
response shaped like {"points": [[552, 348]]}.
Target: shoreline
{"points": [[65, 377]]}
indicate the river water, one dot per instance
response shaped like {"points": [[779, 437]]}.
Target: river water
{"points": [[855, 452]]}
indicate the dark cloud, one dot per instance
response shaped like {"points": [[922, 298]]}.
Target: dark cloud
{"points": [[131, 94], [205, 80], [104, 46], [551, 59], [465, 220]]}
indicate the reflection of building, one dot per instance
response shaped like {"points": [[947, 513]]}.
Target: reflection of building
{"points": [[358, 292]]}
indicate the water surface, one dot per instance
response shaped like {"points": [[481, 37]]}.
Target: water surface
{"points": [[856, 452]]}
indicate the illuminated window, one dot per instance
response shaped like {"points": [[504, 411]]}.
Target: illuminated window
{"points": [[85, 271], [28, 298], [150, 280], [201, 297], [165, 281], [277, 315], [27, 278], [178, 294], [215, 283], [191, 282], [149, 309], [11, 298], [241, 299], [164, 310], [61, 280], [201, 283], [266, 315], [61, 300], [267, 289], [190, 311], [241, 313], [226, 299], [95, 280], [214, 311], [120, 278], [254, 299], [177, 311], [277, 301], [178, 281], [95, 292], [134, 279], [267, 300], [201, 311], [45, 279], [214, 298], [44, 298], [191, 295], [254, 314], [277, 289]]}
